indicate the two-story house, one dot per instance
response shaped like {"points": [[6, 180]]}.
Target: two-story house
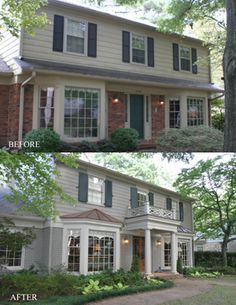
{"points": [[89, 72], [116, 219]]}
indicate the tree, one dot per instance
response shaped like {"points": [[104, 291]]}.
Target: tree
{"points": [[212, 184], [22, 14]]}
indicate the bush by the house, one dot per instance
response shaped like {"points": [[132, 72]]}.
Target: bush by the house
{"points": [[198, 138], [83, 288], [213, 258], [200, 272], [48, 140], [135, 264], [179, 265], [106, 146], [125, 139]]}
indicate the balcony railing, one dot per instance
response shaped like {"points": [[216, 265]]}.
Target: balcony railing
{"points": [[147, 209]]}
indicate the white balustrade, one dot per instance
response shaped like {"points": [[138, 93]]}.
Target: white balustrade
{"points": [[147, 209]]}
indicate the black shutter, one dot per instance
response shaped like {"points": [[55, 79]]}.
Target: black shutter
{"points": [[175, 56], [194, 59], [151, 198], [168, 203], [58, 33], [83, 187], [92, 40], [181, 211], [133, 197], [150, 44], [126, 46], [108, 193]]}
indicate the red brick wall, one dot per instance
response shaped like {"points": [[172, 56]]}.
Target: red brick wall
{"points": [[4, 98], [116, 111], [13, 112], [28, 108], [158, 114]]}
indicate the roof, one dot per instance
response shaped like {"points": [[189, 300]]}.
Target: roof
{"points": [[93, 214], [152, 27], [182, 229], [4, 69], [38, 65]]}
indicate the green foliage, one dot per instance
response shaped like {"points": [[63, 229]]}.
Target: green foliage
{"points": [[125, 139], [218, 121], [179, 265], [211, 259], [24, 14], [135, 264], [106, 146], [92, 287], [199, 273], [49, 140], [188, 139]]}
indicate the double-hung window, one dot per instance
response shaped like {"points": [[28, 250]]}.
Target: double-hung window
{"points": [[95, 189], [74, 252], [174, 113], [195, 111], [76, 32], [185, 58], [138, 49], [9, 257], [46, 107], [142, 198]]}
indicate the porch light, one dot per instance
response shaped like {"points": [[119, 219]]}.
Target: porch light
{"points": [[125, 240], [158, 242], [161, 102], [115, 99]]}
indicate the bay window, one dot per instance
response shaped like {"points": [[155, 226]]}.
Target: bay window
{"points": [[195, 111], [174, 113], [46, 107], [74, 252]]}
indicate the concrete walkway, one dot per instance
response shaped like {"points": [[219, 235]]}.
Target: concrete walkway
{"points": [[183, 288]]}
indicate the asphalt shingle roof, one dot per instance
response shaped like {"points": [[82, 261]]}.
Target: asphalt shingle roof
{"points": [[4, 67]]}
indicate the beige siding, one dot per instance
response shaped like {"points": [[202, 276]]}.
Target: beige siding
{"points": [[109, 48], [9, 48], [121, 197]]}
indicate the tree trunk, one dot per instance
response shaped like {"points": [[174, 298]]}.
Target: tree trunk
{"points": [[229, 66], [224, 250]]}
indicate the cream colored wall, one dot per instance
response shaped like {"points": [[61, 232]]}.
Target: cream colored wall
{"points": [[109, 47]]}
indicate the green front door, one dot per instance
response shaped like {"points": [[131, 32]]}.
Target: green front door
{"points": [[137, 113]]}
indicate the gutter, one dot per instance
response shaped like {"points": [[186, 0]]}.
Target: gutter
{"points": [[21, 106]]}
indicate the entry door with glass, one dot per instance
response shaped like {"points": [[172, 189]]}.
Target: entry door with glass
{"points": [[138, 251]]}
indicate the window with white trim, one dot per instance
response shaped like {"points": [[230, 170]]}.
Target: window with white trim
{"points": [[195, 111], [81, 112], [184, 252], [46, 107], [74, 252], [95, 189], [142, 198], [167, 254], [174, 113], [100, 251], [138, 48], [185, 58], [9, 257], [76, 32]]}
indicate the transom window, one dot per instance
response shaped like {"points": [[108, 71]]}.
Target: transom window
{"points": [[100, 251], [167, 254], [142, 198], [74, 252], [195, 111], [185, 58], [46, 107], [11, 258], [138, 49], [81, 112], [174, 113], [76, 36], [95, 189]]}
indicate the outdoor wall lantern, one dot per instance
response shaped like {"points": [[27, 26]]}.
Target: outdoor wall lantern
{"points": [[115, 99], [125, 240], [158, 242]]}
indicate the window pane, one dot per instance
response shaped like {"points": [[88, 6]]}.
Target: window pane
{"points": [[185, 58], [76, 36], [9, 257], [46, 108], [138, 49], [174, 113], [195, 111], [74, 253]]}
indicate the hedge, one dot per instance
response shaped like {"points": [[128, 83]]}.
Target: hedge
{"points": [[213, 258]]}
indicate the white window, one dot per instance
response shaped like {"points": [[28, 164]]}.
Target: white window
{"points": [[195, 111], [100, 251], [174, 113], [81, 112], [74, 252], [138, 49], [95, 190], [185, 58], [10, 258], [76, 36], [167, 254], [184, 252], [46, 107], [142, 198], [200, 248]]}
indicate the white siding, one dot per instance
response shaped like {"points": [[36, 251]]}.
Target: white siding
{"points": [[9, 47], [109, 47]]}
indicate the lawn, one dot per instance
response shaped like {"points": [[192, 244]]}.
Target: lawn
{"points": [[218, 295]]}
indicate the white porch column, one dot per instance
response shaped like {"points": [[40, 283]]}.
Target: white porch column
{"points": [[148, 254], [117, 249], [84, 250], [174, 254]]}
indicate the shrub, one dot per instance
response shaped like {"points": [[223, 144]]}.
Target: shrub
{"points": [[106, 146], [199, 138], [49, 140], [135, 264], [85, 146], [179, 265], [125, 139], [212, 259]]}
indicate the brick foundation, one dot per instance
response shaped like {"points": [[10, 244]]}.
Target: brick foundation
{"points": [[116, 111], [158, 115]]}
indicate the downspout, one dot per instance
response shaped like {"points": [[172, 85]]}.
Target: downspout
{"points": [[21, 106]]}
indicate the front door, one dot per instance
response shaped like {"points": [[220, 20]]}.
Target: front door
{"points": [[138, 250], [137, 113]]}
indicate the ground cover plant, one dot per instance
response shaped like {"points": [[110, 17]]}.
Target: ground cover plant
{"points": [[63, 288]]}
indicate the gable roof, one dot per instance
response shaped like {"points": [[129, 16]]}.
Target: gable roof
{"points": [[93, 214]]}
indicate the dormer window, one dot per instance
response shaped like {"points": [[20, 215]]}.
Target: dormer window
{"points": [[138, 49], [76, 36]]}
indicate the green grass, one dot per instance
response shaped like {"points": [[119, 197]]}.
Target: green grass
{"points": [[218, 295]]}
